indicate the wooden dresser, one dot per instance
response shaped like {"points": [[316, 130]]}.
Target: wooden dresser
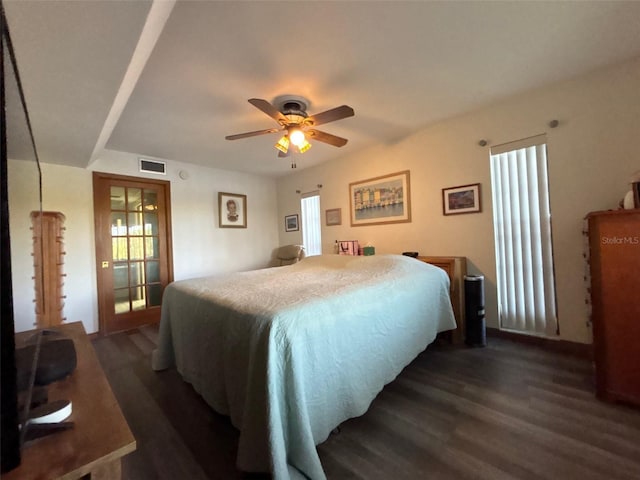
{"points": [[614, 264], [100, 436], [456, 268]]}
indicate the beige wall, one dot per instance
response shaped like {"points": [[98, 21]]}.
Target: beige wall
{"points": [[66, 190], [199, 246], [592, 153]]}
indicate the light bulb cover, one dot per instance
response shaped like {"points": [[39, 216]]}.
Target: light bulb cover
{"points": [[283, 144], [304, 146]]}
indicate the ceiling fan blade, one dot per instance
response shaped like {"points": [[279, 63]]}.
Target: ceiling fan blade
{"points": [[252, 134], [281, 154], [327, 138], [332, 115], [269, 109]]}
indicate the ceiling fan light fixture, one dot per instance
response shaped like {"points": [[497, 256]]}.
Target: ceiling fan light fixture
{"points": [[290, 112], [283, 144], [297, 137]]}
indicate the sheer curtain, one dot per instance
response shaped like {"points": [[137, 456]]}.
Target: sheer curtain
{"points": [[311, 238], [522, 228]]}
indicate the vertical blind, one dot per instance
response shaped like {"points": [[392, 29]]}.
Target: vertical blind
{"points": [[311, 238], [522, 228]]}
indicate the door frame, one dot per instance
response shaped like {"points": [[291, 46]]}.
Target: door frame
{"points": [[99, 222]]}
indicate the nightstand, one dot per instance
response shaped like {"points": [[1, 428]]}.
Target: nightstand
{"points": [[456, 268]]}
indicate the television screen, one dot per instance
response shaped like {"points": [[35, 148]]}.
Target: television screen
{"points": [[15, 144]]}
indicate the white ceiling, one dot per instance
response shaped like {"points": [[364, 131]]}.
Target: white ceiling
{"points": [[400, 65]]}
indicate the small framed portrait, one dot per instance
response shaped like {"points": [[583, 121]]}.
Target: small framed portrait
{"points": [[462, 199], [334, 216], [232, 210], [291, 223]]}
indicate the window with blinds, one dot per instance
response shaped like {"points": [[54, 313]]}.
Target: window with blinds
{"points": [[311, 237], [522, 228]]}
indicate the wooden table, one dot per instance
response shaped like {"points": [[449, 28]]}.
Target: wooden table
{"points": [[100, 436]]}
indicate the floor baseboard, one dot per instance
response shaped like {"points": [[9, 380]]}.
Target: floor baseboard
{"points": [[582, 350]]}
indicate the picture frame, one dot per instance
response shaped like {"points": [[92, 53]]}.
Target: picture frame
{"points": [[232, 210], [333, 216], [291, 223], [381, 200], [461, 199]]}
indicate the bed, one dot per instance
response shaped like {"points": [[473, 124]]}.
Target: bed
{"points": [[289, 353]]}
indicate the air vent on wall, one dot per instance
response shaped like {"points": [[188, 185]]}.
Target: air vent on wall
{"points": [[153, 166]]}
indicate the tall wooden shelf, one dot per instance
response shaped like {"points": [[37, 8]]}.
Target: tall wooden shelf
{"points": [[48, 261], [614, 266], [456, 268]]}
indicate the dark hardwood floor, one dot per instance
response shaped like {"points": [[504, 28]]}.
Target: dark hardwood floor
{"points": [[507, 411]]}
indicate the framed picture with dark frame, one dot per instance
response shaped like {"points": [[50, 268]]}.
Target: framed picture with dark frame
{"points": [[291, 223], [380, 200], [232, 210], [333, 216], [462, 199]]}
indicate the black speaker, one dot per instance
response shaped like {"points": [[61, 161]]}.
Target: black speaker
{"points": [[475, 332], [56, 360]]}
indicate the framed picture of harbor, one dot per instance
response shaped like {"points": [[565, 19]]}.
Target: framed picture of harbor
{"points": [[379, 200]]}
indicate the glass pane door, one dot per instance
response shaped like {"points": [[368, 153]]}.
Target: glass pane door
{"points": [[135, 249]]}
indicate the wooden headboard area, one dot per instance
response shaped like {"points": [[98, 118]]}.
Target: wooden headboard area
{"points": [[456, 268]]}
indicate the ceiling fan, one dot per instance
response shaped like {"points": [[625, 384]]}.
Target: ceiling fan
{"points": [[297, 126]]}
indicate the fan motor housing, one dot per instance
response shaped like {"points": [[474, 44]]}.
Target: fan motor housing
{"points": [[292, 105]]}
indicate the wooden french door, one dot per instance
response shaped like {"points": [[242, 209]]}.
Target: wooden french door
{"points": [[133, 249]]}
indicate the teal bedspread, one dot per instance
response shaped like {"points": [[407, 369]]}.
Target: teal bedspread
{"points": [[291, 352]]}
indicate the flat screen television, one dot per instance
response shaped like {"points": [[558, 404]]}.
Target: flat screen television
{"points": [[13, 128], [10, 432], [58, 359]]}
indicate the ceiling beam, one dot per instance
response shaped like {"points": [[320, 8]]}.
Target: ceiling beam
{"points": [[156, 19]]}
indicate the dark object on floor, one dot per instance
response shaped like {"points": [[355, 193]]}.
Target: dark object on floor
{"points": [[476, 335]]}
